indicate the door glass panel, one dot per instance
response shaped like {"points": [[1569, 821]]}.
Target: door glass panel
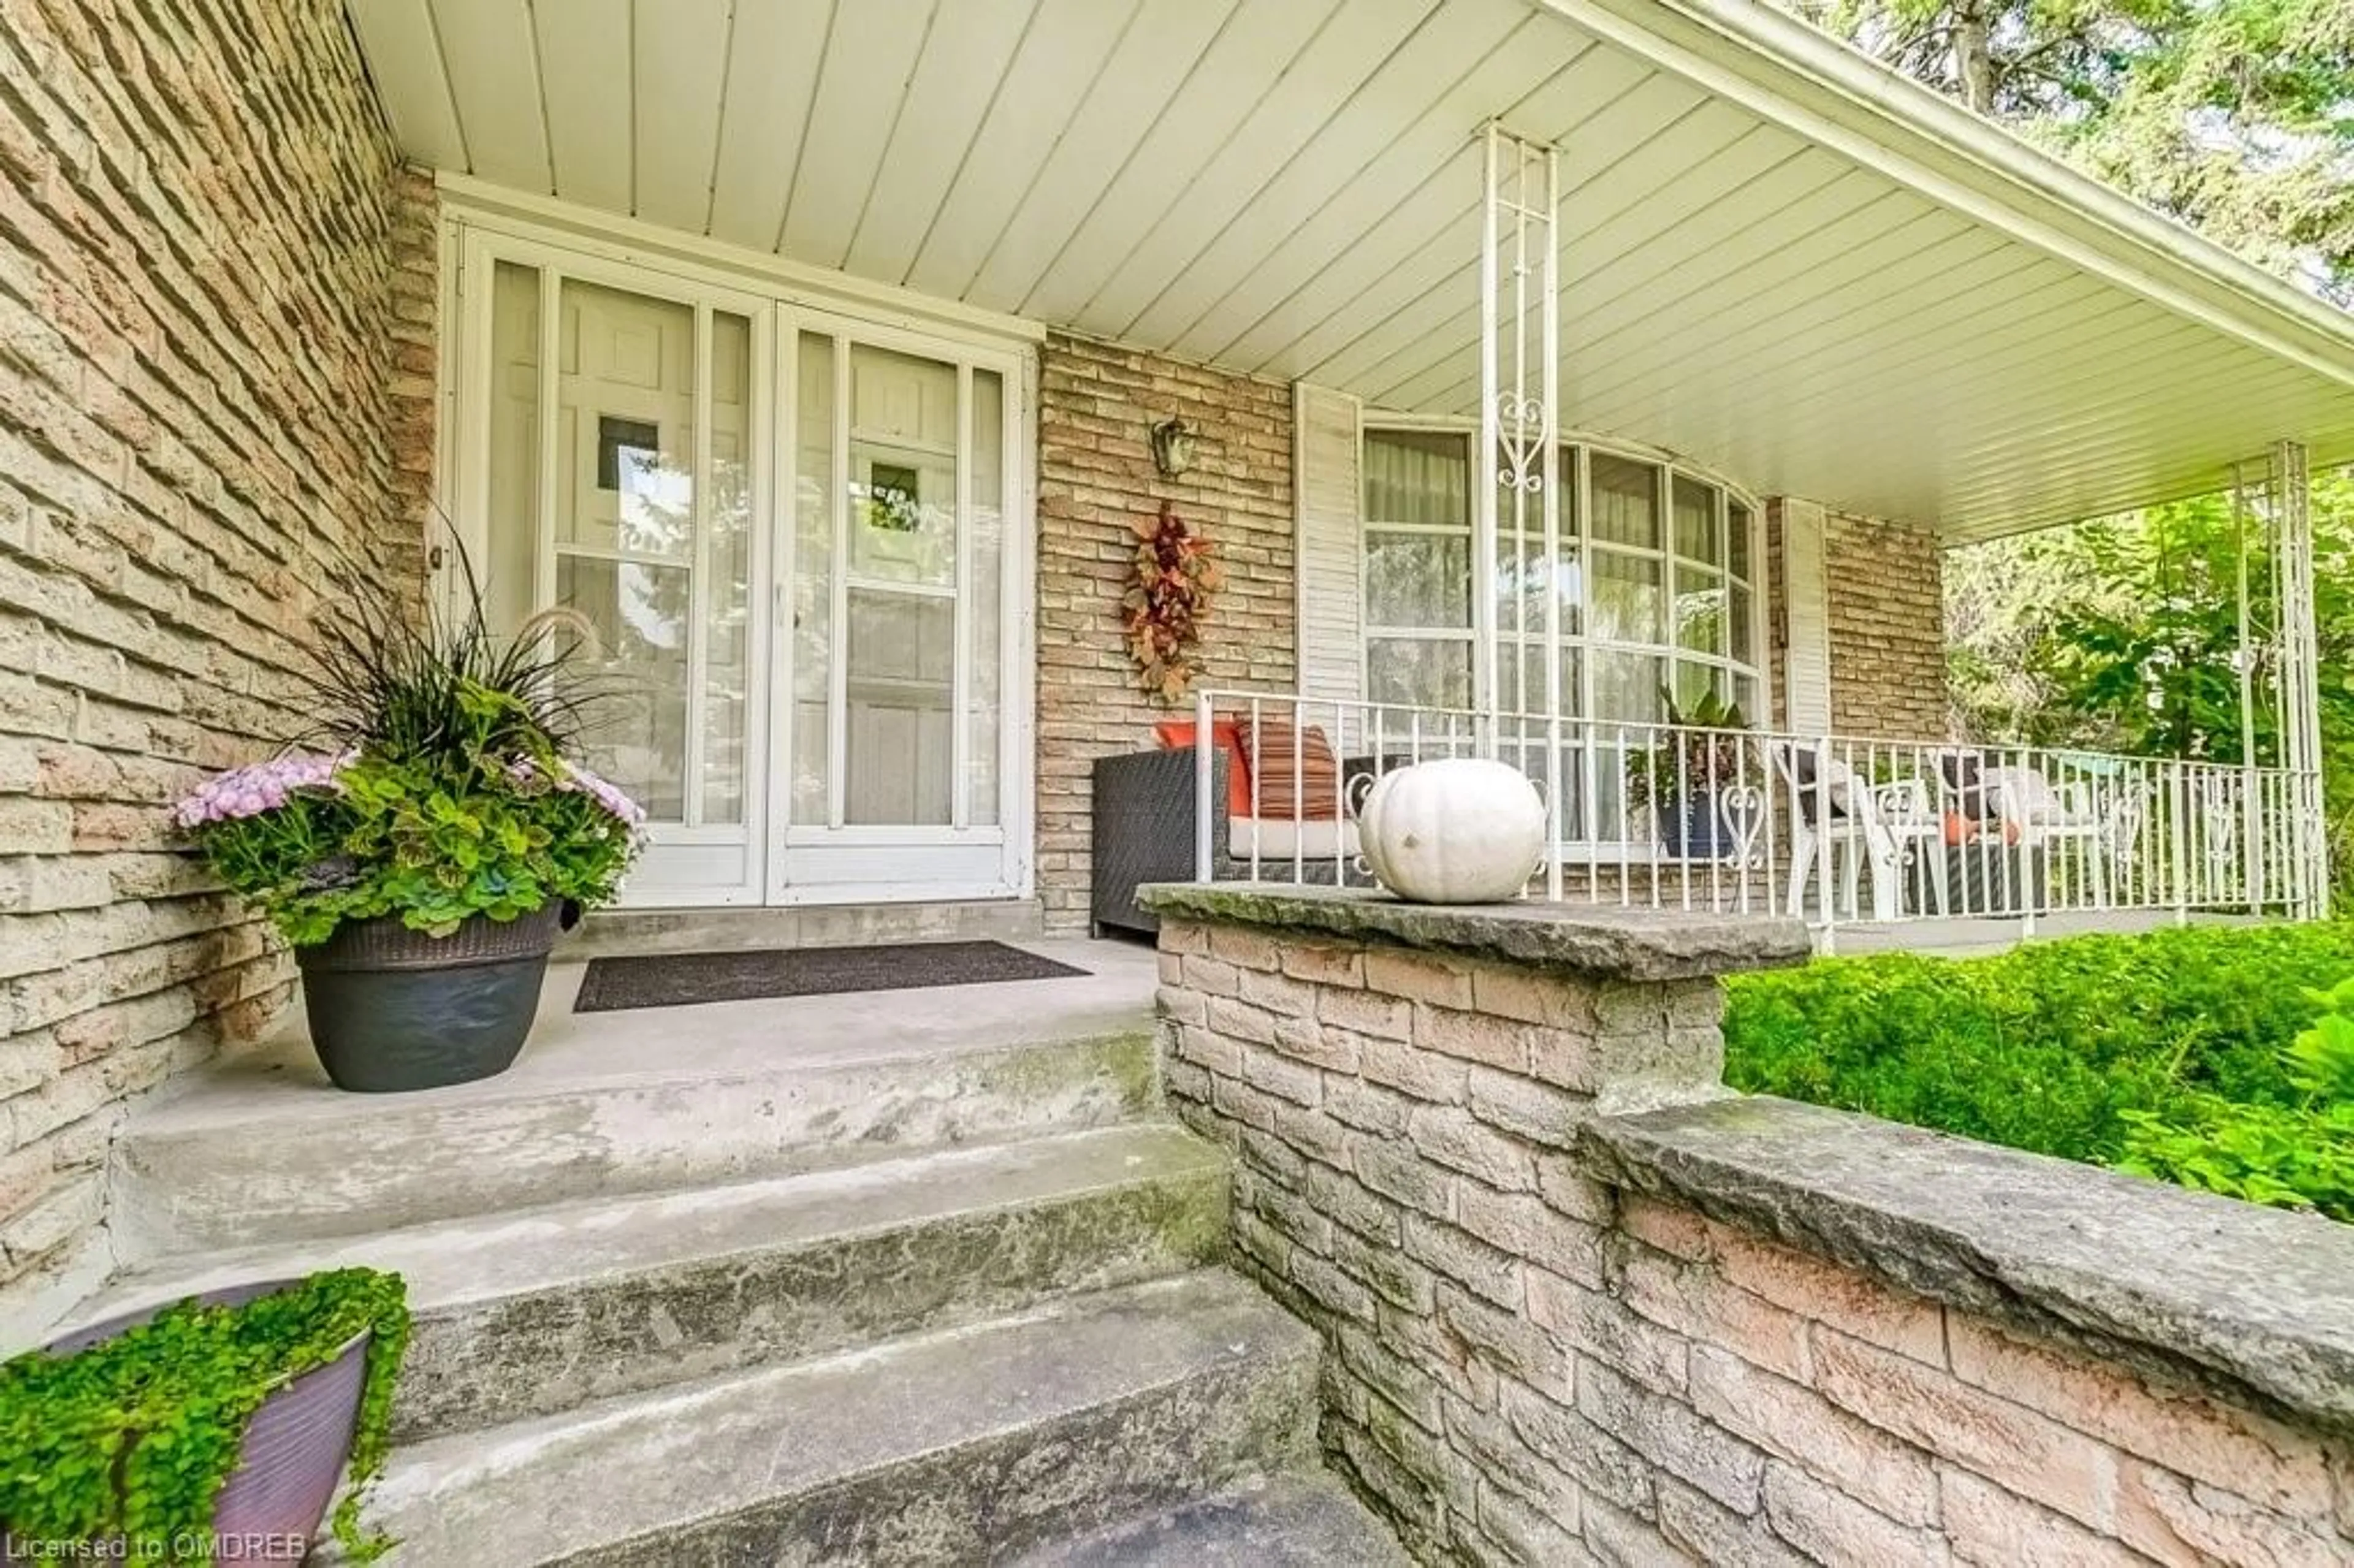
{"points": [[505, 572], [728, 563], [900, 653], [902, 697], [661, 571], [813, 626], [624, 523], [988, 544], [903, 462]]}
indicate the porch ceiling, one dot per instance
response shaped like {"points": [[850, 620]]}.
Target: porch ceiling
{"points": [[1778, 260]]}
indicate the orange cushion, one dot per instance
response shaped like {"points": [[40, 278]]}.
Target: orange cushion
{"points": [[1298, 778], [1176, 735]]}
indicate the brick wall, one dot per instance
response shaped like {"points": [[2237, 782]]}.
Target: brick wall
{"points": [[1888, 627], [1526, 1364], [1887, 616], [216, 302], [1098, 403]]}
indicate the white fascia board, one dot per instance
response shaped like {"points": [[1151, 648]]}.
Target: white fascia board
{"points": [[1750, 53]]}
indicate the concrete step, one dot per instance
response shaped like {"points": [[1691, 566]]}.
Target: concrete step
{"points": [[614, 932], [537, 1311], [261, 1150], [1303, 1519], [967, 1446]]}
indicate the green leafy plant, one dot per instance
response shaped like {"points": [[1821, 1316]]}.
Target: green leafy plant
{"points": [[131, 1439], [1700, 749], [2293, 1156], [455, 790], [2190, 1054]]}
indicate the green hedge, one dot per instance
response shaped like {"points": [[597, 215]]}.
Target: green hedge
{"points": [[2173, 1053]]}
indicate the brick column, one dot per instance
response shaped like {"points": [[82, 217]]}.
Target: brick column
{"points": [[1403, 1089]]}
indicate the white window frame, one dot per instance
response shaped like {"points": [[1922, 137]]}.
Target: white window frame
{"points": [[1468, 634], [1577, 527]]}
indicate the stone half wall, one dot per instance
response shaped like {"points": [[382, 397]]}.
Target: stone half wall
{"points": [[219, 296], [1580, 1306], [1097, 404]]}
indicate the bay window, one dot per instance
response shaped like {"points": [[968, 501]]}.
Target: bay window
{"points": [[1654, 583]]}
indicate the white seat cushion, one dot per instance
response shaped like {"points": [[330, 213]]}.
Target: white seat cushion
{"points": [[1281, 838]]}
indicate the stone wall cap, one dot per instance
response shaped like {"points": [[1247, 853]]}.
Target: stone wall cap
{"points": [[1623, 943], [2234, 1298]]}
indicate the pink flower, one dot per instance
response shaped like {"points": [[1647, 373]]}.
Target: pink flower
{"points": [[609, 796], [264, 786]]}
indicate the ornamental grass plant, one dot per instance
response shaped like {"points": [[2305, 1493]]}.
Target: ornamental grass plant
{"points": [[442, 778]]}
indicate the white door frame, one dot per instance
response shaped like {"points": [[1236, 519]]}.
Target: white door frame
{"points": [[474, 240]]}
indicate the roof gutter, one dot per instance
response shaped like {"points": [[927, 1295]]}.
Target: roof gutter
{"points": [[1750, 53]]}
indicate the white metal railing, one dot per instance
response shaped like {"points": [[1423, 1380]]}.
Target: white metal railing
{"points": [[1836, 829]]}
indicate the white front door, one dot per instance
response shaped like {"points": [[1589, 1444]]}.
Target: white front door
{"points": [[788, 531], [904, 765]]}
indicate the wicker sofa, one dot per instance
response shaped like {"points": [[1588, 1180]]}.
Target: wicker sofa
{"points": [[1144, 833]]}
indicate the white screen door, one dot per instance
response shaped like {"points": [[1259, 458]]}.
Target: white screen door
{"points": [[899, 731], [621, 476]]}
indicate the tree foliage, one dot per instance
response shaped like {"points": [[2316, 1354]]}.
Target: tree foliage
{"points": [[2123, 634], [2236, 116]]}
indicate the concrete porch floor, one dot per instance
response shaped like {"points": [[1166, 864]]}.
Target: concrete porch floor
{"points": [[280, 1078]]}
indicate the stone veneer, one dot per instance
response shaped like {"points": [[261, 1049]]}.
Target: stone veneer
{"points": [[1581, 1306], [217, 308], [1098, 403]]}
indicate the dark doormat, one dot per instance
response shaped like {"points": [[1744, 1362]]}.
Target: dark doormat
{"points": [[681, 980]]}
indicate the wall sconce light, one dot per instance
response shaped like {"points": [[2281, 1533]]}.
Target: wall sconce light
{"points": [[1173, 448]]}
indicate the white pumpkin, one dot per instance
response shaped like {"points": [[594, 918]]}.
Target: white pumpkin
{"points": [[1457, 831]]}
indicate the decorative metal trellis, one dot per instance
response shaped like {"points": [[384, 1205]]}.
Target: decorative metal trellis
{"points": [[1520, 422]]}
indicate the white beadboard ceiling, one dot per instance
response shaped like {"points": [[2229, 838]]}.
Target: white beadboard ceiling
{"points": [[1761, 270]]}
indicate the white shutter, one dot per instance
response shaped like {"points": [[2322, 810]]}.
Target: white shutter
{"points": [[1328, 535], [1806, 594]]}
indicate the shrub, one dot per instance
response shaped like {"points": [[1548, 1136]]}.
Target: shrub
{"points": [[2180, 1053]]}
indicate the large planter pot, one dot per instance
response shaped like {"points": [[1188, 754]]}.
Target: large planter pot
{"points": [[1696, 827], [1457, 831], [270, 1507], [393, 1009]]}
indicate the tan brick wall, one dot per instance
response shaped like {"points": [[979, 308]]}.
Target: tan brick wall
{"points": [[1888, 627], [217, 319], [1887, 614], [1527, 1365], [1097, 402]]}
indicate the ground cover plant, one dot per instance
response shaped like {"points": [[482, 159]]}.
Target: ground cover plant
{"points": [[2220, 1058]]}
